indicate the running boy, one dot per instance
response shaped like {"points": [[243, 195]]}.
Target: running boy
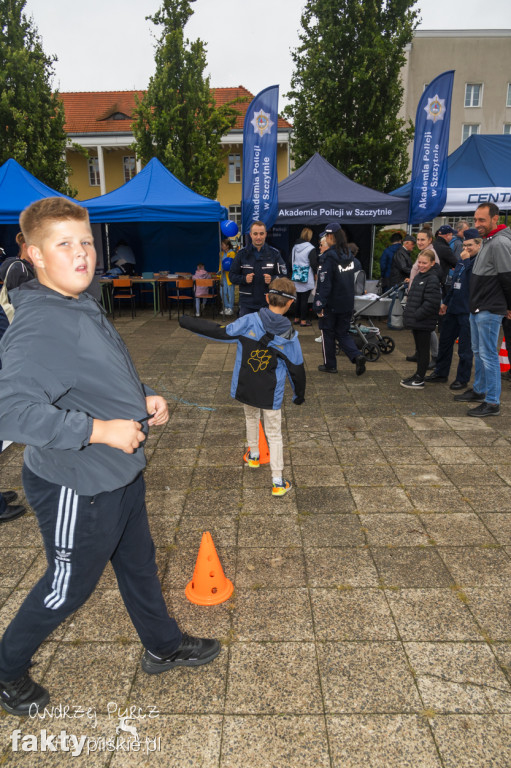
{"points": [[70, 392], [268, 350]]}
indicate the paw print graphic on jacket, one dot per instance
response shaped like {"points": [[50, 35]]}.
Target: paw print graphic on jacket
{"points": [[259, 360]]}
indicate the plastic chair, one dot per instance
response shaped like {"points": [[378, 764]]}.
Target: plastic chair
{"points": [[207, 282], [122, 291], [181, 285]]}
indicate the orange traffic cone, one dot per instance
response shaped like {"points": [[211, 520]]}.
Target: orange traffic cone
{"points": [[503, 358], [209, 584], [264, 451]]}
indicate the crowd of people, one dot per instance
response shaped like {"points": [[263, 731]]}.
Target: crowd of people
{"points": [[84, 456]]}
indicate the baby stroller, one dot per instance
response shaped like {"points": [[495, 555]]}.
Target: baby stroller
{"points": [[367, 335]]}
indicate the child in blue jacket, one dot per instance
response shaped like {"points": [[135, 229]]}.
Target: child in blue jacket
{"points": [[268, 353]]}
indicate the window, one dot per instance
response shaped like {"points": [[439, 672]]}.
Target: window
{"points": [[234, 169], [130, 167], [473, 94], [507, 128], [93, 171], [235, 214], [468, 130]]}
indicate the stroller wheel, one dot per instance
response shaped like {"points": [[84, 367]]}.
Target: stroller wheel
{"points": [[386, 344], [371, 351]]}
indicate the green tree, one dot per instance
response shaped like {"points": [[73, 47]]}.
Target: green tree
{"points": [[177, 120], [31, 114], [346, 89]]}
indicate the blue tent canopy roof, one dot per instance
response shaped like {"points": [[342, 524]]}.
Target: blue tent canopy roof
{"points": [[317, 192], [18, 189], [154, 194], [478, 171]]}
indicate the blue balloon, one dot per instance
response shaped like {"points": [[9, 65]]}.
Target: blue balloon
{"points": [[229, 228], [226, 263]]}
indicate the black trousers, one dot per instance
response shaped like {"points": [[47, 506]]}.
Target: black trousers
{"points": [[81, 534], [302, 304], [455, 327], [422, 342], [334, 325]]}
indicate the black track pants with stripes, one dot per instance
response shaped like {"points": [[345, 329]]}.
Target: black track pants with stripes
{"points": [[81, 534]]}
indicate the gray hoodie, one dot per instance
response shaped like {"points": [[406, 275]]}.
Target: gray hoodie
{"points": [[64, 364]]}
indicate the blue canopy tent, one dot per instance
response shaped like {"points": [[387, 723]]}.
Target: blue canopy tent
{"points": [[18, 188], [169, 226], [479, 171]]}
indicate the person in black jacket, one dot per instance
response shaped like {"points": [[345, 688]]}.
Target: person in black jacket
{"points": [[456, 325], [421, 314], [253, 268], [335, 299], [402, 262], [448, 258]]}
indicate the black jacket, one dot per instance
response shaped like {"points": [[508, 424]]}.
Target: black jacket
{"points": [[336, 282], [401, 266], [423, 303], [448, 258], [268, 260], [22, 271]]}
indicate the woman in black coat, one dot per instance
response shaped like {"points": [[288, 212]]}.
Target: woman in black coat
{"points": [[421, 313]]}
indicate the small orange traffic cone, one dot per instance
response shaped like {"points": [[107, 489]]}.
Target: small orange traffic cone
{"points": [[264, 451], [503, 358], [209, 584]]}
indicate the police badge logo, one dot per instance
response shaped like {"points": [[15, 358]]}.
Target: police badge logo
{"points": [[262, 122], [435, 109]]}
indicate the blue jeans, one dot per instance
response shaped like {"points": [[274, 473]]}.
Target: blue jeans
{"points": [[484, 329], [226, 292]]}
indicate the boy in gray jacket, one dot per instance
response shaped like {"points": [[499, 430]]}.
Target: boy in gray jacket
{"points": [[70, 392]]}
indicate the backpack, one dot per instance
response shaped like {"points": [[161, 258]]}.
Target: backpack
{"points": [[5, 302]]}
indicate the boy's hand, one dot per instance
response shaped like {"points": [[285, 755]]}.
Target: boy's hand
{"points": [[123, 434], [157, 406]]}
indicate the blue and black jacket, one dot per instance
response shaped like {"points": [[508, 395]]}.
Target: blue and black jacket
{"points": [[263, 360]]}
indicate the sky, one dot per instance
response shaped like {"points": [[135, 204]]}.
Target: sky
{"points": [[106, 45]]}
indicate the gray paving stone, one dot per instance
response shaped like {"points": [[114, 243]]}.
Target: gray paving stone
{"points": [[367, 678], [432, 615], [404, 741]]}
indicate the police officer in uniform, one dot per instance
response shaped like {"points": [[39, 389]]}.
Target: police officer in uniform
{"points": [[335, 299], [253, 268]]}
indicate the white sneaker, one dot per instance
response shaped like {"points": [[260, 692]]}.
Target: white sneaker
{"points": [[319, 339], [197, 314], [228, 312]]}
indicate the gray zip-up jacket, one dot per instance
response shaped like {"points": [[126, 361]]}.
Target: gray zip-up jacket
{"points": [[64, 364]]}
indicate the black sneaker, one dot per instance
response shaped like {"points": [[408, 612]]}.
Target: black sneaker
{"points": [[411, 358], [412, 383], [458, 385], [23, 696], [192, 652], [9, 496], [470, 396], [436, 378], [11, 512], [485, 409], [326, 369], [360, 365]]}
